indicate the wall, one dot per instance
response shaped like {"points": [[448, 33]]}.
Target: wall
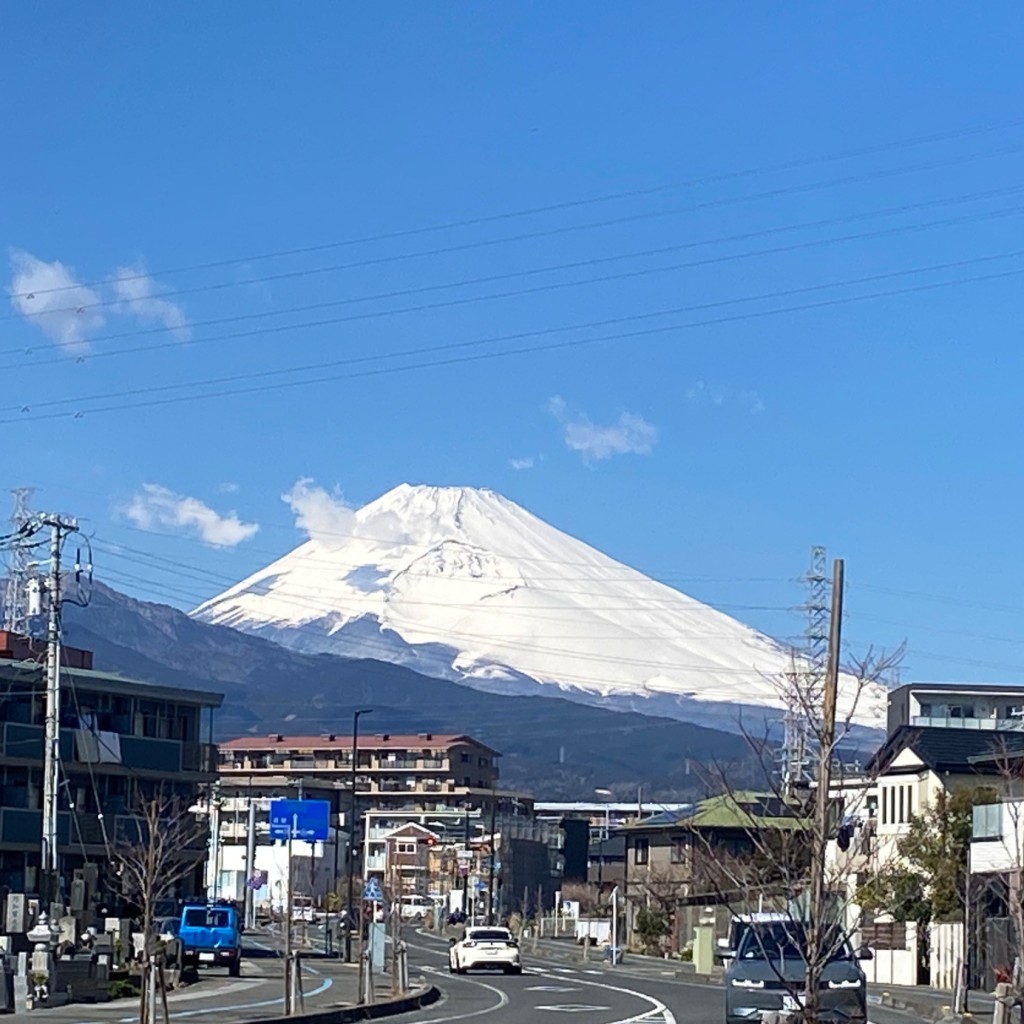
{"points": [[946, 949], [894, 966]]}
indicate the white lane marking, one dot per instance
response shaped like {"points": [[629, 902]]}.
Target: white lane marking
{"points": [[572, 1008], [564, 970], [658, 1014], [598, 973], [551, 988], [499, 1005]]}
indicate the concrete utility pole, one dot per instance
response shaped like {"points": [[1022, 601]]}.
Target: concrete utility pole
{"points": [[818, 926], [59, 526], [350, 860], [250, 866]]}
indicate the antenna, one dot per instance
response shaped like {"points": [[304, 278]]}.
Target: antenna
{"points": [[18, 599]]}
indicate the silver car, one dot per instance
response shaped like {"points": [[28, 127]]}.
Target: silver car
{"points": [[768, 973]]}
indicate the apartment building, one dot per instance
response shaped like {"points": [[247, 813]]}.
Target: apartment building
{"points": [[122, 741], [426, 769]]}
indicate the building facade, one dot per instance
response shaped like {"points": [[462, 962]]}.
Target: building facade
{"points": [[122, 742]]}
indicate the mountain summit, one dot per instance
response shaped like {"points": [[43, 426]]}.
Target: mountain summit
{"points": [[463, 584]]}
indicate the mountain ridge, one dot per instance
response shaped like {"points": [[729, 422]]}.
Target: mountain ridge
{"points": [[551, 747], [463, 584]]}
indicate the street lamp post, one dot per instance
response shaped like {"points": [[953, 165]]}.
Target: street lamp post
{"points": [[352, 832]]}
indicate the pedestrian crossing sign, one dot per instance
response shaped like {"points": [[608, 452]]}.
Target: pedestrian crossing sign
{"points": [[372, 892]]}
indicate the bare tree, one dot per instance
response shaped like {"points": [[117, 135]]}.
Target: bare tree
{"points": [[155, 849], [791, 833]]}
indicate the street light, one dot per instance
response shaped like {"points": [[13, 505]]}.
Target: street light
{"points": [[352, 831]]}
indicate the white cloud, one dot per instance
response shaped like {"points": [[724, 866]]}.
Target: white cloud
{"points": [[228, 488], [701, 392], [527, 462], [138, 295], [326, 518], [50, 297], [630, 434], [156, 507], [330, 520]]}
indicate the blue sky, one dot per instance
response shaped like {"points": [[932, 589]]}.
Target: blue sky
{"points": [[154, 155]]}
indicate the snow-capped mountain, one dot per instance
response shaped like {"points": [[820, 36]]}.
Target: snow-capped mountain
{"points": [[464, 584]]}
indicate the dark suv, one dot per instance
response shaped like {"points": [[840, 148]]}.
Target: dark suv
{"points": [[769, 972]]}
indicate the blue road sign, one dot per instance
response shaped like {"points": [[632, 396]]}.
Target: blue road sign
{"points": [[300, 819], [372, 892]]}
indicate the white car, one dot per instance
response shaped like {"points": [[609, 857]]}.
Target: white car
{"points": [[414, 908], [492, 948]]}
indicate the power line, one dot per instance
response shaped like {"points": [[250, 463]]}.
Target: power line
{"points": [[175, 344], [558, 207], [532, 349]]}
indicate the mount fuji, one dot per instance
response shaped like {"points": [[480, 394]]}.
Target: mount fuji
{"points": [[462, 584]]}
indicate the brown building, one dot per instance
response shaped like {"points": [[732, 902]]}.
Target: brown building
{"points": [[427, 769]]}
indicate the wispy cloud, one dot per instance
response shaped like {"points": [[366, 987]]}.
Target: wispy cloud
{"points": [[630, 434], [228, 488], [156, 508], [327, 518], [51, 295], [701, 392], [526, 462], [139, 295]]}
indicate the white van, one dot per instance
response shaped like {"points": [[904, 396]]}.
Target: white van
{"points": [[302, 908], [414, 908]]}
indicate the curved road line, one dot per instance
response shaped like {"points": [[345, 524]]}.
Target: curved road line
{"points": [[499, 1005]]}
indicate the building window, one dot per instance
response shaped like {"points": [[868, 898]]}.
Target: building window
{"points": [[900, 819], [910, 802], [988, 822], [405, 848], [642, 851], [679, 845]]}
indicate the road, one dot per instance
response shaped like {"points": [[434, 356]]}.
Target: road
{"points": [[556, 985]]}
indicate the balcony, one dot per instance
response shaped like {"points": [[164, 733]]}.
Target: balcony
{"points": [[945, 722]]}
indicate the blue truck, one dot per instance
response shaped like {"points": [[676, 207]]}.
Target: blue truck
{"points": [[210, 935]]}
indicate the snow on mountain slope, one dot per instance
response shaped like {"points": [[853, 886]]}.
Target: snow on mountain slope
{"points": [[466, 585]]}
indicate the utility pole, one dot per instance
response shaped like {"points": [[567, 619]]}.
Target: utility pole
{"points": [[59, 526], [350, 860], [818, 925], [465, 877], [250, 865], [490, 872]]}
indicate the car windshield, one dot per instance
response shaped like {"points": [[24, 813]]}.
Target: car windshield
{"points": [[489, 935], [786, 940]]}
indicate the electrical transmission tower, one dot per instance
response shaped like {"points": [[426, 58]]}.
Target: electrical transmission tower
{"points": [[805, 683], [17, 601]]}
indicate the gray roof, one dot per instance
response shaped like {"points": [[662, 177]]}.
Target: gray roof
{"points": [[32, 673]]}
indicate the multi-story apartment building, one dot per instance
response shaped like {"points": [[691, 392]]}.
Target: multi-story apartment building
{"points": [[391, 770], [122, 741], [435, 782]]}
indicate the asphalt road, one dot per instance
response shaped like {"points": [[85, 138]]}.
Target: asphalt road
{"points": [[555, 986]]}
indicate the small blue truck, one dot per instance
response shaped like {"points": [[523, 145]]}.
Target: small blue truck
{"points": [[210, 935]]}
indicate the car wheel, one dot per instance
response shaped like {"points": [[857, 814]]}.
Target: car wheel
{"points": [[235, 968]]}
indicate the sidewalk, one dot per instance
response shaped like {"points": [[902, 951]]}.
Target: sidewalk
{"points": [[330, 987]]}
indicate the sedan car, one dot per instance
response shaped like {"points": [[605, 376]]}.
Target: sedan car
{"points": [[485, 948]]}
